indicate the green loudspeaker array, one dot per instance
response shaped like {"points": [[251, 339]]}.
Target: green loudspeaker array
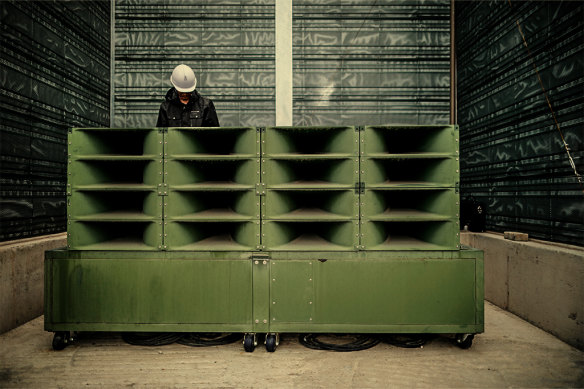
{"points": [[309, 175], [112, 190], [280, 188], [410, 199], [210, 201]]}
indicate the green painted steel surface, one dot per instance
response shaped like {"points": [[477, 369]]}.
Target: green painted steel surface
{"points": [[212, 236], [410, 199], [322, 229], [211, 176], [310, 204], [409, 235], [287, 307], [310, 141], [354, 294], [261, 292], [208, 141], [310, 236], [310, 175], [277, 188], [410, 140], [400, 291], [114, 178], [132, 292]]}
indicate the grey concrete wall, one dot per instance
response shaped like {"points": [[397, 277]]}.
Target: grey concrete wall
{"points": [[22, 278], [538, 281]]}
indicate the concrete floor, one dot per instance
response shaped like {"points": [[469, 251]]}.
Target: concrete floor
{"points": [[511, 353]]}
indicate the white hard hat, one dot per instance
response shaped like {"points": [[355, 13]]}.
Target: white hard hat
{"points": [[183, 78]]}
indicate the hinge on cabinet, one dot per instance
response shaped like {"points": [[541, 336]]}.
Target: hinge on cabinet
{"points": [[162, 189], [162, 130], [359, 128], [359, 187], [257, 257], [261, 129], [68, 189], [260, 188], [456, 187]]}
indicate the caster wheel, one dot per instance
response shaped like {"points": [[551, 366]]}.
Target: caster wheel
{"points": [[271, 343], [60, 340], [464, 341], [249, 342]]}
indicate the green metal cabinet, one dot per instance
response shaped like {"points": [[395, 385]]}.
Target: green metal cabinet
{"points": [[279, 291], [279, 229]]}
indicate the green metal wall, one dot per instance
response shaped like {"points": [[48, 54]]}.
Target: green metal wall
{"points": [[54, 74], [371, 62], [229, 45], [512, 156]]}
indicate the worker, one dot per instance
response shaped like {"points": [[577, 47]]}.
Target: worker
{"points": [[183, 106]]}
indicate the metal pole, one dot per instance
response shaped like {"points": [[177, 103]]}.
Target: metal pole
{"points": [[284, 81]]}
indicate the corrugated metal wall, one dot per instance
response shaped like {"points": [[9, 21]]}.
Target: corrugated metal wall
{"points": [[229, 45], [512, 156], [54, 74], [355, 62], [371, 62]]}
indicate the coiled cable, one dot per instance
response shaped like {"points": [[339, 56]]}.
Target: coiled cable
{"points": [[150, 338], [208, 339], [187, 339], [356, 342], [406, 340]]}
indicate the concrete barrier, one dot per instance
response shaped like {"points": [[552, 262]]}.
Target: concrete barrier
{"points": [[539, 281], [22, 278]]}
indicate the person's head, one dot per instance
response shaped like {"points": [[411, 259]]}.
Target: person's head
{"points": [[184, 81]]}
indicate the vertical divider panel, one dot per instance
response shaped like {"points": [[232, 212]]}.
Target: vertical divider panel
{"points": [[163, 196], [261, 186], [69, 185], [360, 184]]}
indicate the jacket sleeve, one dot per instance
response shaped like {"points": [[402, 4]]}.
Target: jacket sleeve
{"points": [[210, 116], [162, 117]]}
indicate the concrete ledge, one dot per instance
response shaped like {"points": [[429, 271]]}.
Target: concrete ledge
{"points": [[539, 281], [22, 278]]}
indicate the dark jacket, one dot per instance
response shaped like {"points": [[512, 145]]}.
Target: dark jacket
{"points": [[199, 112]]}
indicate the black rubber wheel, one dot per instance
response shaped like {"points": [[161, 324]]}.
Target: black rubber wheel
{"points": [[466, 343], [270, 343], [60, 340], [248, 343]]}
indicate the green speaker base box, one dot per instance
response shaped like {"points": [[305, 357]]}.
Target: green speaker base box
{"points": [[265, 292]]}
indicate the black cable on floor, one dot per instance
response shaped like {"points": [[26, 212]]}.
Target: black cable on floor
{"points": [[208, 339], [406, 340], [359, 342], [150, 338]]}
